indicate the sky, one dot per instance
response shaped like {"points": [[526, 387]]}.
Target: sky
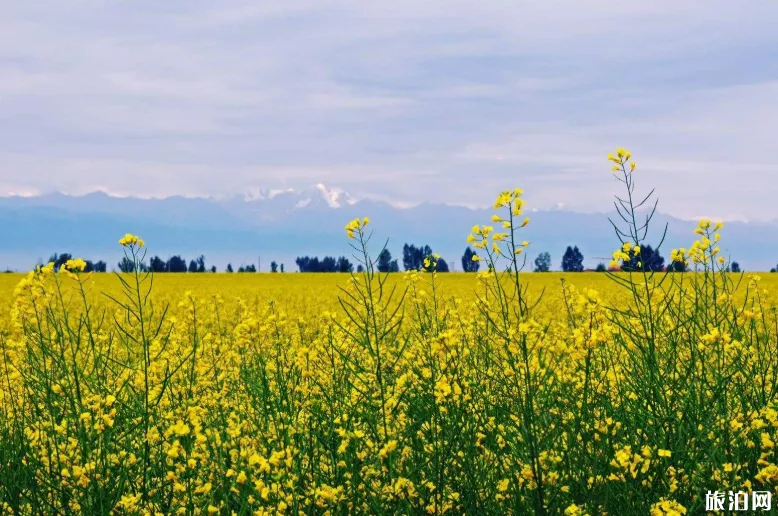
{"points": [[402, 101]]}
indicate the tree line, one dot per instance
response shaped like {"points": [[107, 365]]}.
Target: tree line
{"points": [[156, 264], [649, 259], [60, 259], [175, 263], [326, 264], [413, 258]]}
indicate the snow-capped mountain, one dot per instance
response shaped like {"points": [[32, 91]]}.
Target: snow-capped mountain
{"points": [[259, 205], [288, 223], [317, 195], [334, 197]]}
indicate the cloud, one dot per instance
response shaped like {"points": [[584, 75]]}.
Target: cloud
{"points": [[406, 101]]}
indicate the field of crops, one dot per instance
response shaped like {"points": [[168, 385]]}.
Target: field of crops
{"points": [[500, 392], [309, 294], [303, 294]]}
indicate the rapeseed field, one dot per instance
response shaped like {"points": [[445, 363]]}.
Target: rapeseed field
{"points": [[500, 392]]}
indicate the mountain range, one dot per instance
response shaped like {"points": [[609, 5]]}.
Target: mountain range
{"points": [[279, 225]]}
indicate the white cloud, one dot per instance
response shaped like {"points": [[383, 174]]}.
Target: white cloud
{"points": [[405, 101]]}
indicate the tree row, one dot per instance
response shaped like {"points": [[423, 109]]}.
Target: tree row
{"points": [[413, 258]]}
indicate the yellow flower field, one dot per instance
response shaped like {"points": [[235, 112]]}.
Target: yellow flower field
{"points": [[501, 392], [301, 293], [310, 293]]}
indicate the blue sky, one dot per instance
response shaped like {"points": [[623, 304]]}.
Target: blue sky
{"points": [[403, 101]]}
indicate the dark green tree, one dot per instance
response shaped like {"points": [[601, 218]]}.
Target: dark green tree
{"points": [[304, 263], [344, 265], [385, 261], [543, 262], [273, 266], [157, 264], [413, 257], [677, 267], [408, 258], [736, 267], [600, 267], [329, 264], [126, 265], [192, 266], [572, 260], [229, 267], [468, 265], [176, 264]]}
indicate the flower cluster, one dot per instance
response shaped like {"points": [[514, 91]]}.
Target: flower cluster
{"points": [[75, 265], [356, 226], [623, 254], [704, 250], [129, 240], [480, 236], [679, 255], [620, 161]]}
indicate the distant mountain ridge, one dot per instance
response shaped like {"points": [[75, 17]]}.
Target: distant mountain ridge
{"points": [[280, 225]]}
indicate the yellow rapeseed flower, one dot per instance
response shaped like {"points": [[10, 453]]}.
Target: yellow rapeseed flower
{"points": [[129, 240], [75, 265]]}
